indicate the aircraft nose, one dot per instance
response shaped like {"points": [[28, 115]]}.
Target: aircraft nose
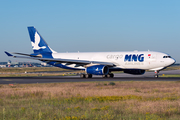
{"points": [[173, 61]]}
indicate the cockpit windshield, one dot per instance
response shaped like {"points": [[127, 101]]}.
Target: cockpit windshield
{"points": [[166, 56]]}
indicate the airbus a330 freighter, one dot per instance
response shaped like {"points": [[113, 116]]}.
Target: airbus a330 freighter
{"points": [[97, 63]]}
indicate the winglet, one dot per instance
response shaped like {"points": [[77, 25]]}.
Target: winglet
{"points": [[8, 54]]}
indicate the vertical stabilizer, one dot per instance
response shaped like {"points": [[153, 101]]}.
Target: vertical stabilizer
{"points": [[38, 43]]}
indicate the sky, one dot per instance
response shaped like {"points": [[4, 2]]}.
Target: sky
{"points": [[91, 25]]}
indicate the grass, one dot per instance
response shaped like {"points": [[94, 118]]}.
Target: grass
{"points": [[173, 68], [164, 75], [20, 72], [39, 74], [30, 69], [91, 100]]}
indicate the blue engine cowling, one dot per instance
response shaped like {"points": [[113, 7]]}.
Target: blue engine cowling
{"points": [[97, 70], [135, 71]]}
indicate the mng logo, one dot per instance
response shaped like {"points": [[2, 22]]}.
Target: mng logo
{"points": [[133, 57]]}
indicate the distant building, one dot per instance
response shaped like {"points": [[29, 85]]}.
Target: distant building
{"points": [[44, 64], [23, 64], [3, 63], [2, 66]]}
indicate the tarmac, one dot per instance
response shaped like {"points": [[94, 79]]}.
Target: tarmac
{"points": [[148, 76]]}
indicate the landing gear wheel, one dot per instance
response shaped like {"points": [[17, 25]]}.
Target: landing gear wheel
{"points": [[104, 76], [82, 76], [88, 75], [156, 76], [108, 76], [111, 75]]}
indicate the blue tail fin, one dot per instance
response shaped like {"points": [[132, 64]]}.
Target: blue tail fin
{"points": [[38, 43]]}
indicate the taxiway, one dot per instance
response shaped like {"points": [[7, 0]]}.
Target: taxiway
{"points": [[29, 80], [148, 76]]}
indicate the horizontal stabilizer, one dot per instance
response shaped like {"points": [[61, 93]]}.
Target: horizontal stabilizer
{"points": [[8, 54], [27, 54]]}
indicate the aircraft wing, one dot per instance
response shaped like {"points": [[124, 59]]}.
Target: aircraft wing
{"points": [[58, 61]]}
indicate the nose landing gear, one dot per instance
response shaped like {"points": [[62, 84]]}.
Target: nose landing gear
{"points": [[156, 74]]}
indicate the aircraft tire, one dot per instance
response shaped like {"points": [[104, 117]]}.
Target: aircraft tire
{"points": [[156, 76], [108, 75], [104, 76], [82, 76], [88, 75], [111, 75]]}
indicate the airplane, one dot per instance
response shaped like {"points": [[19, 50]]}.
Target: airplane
{"points": [[96, 63]]}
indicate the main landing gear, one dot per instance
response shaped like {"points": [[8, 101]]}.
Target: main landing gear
{"points": [[110, 75], [156, 74], [86, 75]]}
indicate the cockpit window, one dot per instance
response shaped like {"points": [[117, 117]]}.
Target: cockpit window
{"points": [[166, 56]]}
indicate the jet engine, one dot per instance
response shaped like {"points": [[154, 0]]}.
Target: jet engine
{"points": [[135, 71], [97, 70]]}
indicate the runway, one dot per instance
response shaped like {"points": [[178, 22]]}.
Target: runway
{"points": [[148, 76]]}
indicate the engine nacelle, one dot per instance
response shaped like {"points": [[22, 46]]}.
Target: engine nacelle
{"points": [[135, 71], [97, 70]]}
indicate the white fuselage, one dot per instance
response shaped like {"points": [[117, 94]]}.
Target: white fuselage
{"points": [[147, 60], [96, 63]]}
